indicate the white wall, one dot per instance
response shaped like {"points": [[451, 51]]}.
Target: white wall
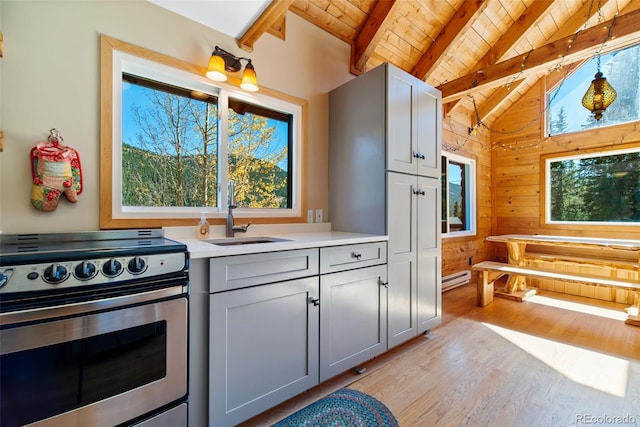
{"points": [[50, 79]]}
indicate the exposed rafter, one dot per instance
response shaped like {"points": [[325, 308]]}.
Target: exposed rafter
{"points": [[378, 22], [497, 99], [505, 96], [461, 20], [413, 36], [502, 46], [273, 16], [624, 32], [515, 33]]}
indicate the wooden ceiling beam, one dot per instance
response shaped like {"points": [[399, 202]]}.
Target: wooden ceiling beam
{"points": [[515, 33], [373, 30], [272, 16], [512, 36], [497, 99], [578, 19], [624, 32], [568, 28], [457, 25]]}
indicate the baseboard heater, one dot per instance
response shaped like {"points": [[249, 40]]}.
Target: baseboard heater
{"points": [[456, 279]]}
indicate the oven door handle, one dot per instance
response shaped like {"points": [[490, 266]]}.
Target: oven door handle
{"points": [[83, 307]]}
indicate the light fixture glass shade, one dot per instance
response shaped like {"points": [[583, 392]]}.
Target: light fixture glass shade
{"points": [[249, 80], [599, 96], [216, 71]]}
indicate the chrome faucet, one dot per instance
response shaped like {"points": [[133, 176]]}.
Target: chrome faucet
{"points": [[231, 228]]}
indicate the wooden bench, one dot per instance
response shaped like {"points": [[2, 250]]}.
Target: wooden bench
{"points": [[490, 271]]}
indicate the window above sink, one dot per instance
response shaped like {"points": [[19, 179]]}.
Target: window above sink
{"points": [[171, 140]]}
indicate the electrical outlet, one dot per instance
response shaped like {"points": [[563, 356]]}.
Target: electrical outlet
{"points": [[310, 215], [318, 215]]}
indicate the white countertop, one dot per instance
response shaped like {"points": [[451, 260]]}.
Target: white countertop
{"points": [[296, 238]]}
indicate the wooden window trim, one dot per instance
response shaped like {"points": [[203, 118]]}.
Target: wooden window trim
{"points": [[107, 46], [581, 227]]}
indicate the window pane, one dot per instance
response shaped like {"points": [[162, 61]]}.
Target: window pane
{"points": [[622, 71], [601, 188], [457, 202], [458, 195], [445, 198], [260, 141], [38, 383], [169, 145]]}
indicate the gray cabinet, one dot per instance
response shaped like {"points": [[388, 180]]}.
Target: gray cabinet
{"points": [[348, 257], [353, 306], [413, 124], [384, 178], [414, 256], [263, 340], [280, 322], [241, 271]]}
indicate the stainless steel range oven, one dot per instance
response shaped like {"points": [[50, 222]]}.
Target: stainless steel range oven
{"points": [[93, 329]]}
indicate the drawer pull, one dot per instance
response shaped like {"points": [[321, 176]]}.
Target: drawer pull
{"points": [[356, 255]]}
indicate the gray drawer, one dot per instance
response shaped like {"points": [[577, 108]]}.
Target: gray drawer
{"points": [[347, 257], [240, 271]]}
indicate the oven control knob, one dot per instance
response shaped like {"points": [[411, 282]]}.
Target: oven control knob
{"points": [[137, 265], [4, 278], [55, 273], [112, 268], [85, 270]]}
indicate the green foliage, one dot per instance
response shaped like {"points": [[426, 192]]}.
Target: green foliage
{"points": [[602, 188], [253, 161], [559, 125], [174, 160]]}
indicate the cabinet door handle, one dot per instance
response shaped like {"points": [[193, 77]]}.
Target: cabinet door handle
{"points": [[385, 284], [314, 301], [419, 155], [419, 192]]}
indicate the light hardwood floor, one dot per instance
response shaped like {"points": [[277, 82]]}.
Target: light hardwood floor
{"points": [[507, 364]]}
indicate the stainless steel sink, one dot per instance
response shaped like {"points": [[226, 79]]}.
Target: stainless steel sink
{"points": [[232, 241]]}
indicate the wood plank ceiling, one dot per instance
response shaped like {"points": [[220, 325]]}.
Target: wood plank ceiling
{"points": [[483, 54]]}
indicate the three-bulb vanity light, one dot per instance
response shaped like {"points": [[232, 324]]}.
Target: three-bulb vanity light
{"points": [[222, 61]]}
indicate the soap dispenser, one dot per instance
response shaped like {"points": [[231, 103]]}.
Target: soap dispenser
{"points": [[202, 230]]}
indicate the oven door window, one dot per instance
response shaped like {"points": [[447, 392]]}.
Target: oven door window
{"points": [[47, 381], [74, 367]]}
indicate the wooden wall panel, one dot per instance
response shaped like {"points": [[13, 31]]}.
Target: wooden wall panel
{"points": [[457, 251], [517, 176], [509, 186], [518, 198]]}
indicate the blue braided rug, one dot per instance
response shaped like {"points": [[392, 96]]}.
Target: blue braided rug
{"points": [[343, 408]]}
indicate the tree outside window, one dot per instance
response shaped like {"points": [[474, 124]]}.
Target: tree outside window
{"points": [[458, 195], [171, 145], [596, 188]]}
